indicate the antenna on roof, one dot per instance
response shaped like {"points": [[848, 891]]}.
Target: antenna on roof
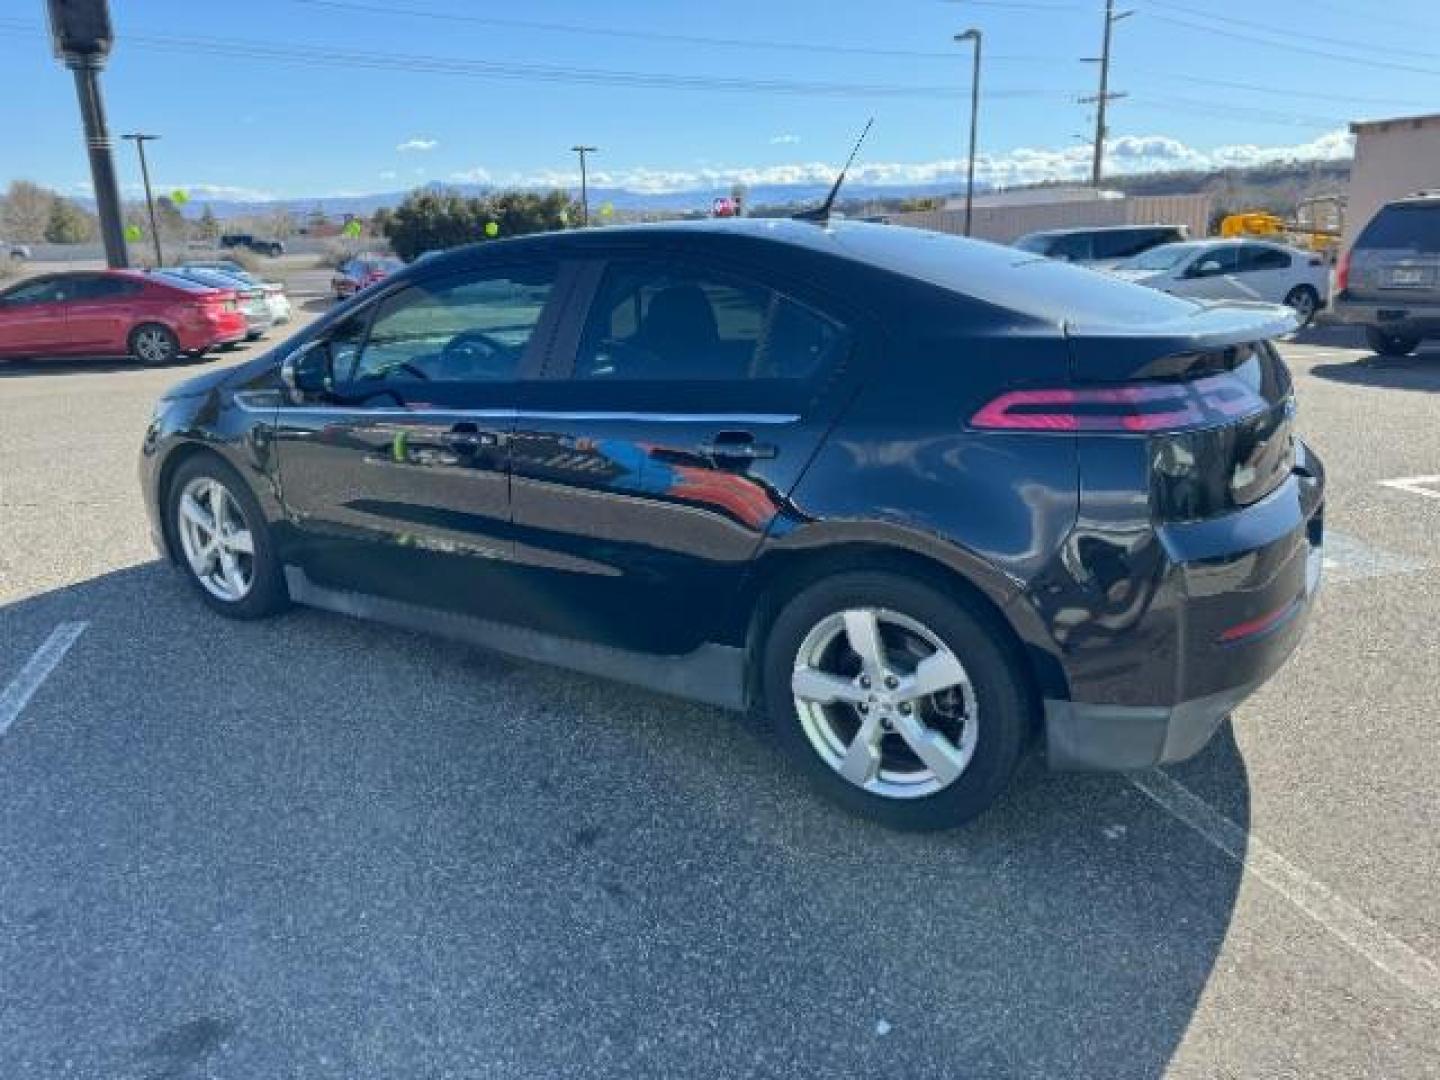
{"points": [[821, 213]]}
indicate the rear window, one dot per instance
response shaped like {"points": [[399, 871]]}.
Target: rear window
{"points": [[1404, 228]]}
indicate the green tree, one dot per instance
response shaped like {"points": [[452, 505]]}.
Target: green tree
{"points": [[173, 227], [430, 220], [68, 223]]}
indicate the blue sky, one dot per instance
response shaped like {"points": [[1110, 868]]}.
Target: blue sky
{"points": [[290, 98]]}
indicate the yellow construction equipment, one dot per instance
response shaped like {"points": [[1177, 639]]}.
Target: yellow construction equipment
{"points": [[1303, 231]]}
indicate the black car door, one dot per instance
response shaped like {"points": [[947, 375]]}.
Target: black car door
{"points": [[676, 420], [396, 480]]}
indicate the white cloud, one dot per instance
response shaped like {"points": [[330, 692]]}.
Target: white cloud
{"points": [[418, 145], [784, 140], [1023, 165]]}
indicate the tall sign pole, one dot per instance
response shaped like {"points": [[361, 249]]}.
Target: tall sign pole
{"points": [[82, 35]]}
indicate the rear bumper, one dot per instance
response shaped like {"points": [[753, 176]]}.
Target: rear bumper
{"points": [[1396, 316], [1230, 606]]}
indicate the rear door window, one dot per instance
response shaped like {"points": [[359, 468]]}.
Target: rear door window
{"points": [[34, 292], [662, 323], [1404, 228], [1123, 243]]}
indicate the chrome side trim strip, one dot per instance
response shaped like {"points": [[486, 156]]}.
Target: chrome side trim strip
{"points": [[515, 414]]}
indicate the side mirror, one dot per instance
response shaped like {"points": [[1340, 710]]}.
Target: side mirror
{"points": [[309, 370]]}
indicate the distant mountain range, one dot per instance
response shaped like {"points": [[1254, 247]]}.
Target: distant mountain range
{"points": [[622, 199]]}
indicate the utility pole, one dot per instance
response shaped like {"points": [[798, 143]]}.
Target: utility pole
{"points": [[1104, 97], [82, 35], [582, 150], [972, 35], [140, 141]]}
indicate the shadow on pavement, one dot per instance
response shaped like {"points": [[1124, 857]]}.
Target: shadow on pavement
{"points": [[1418, 372], [84, 365], [313, 840]]}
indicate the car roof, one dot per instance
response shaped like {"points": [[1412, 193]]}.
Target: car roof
{"points": [[1003, 277]]}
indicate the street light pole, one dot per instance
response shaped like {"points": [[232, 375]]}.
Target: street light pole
{"points": [[140, 141], [972, 35], [584, 183], [83, 36]]}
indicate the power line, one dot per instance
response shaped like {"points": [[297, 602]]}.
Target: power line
{"points": [[1288, 33], [247, 50], [588, 29], [1338, 99], [1188, 23]]}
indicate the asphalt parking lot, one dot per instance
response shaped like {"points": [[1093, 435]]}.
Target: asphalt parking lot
{"points": [[318, 848]]}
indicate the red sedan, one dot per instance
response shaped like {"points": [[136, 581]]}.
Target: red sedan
{"points": [[116, 313]]}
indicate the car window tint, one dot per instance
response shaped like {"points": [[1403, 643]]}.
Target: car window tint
{"points": [[660, 323], [456, 329], [1219, 260], [36, 292], [1404, 228], [1262, 258], [104, 288], [1122, 243], [1076, 247]]}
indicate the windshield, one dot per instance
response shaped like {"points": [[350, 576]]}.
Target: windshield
{"points": [[1404, 228], [1162, 258], [1038, 244]]}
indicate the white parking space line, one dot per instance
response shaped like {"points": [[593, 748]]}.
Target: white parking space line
{"points": [[1340, 918], [36, 670], [1349, 559], [1428, 486]]}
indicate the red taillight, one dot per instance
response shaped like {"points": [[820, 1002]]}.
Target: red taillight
{"points": [[1342, 273], [1139, 408]]}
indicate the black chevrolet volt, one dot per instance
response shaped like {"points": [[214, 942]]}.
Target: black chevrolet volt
{"points": [[919, 501]]}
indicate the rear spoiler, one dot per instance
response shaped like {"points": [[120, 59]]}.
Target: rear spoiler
{"points": [[1119, 353]]}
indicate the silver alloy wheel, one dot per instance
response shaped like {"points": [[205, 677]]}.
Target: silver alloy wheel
{"points": [[217, 541], [885, 703], [1303, 303], [153, 345]]}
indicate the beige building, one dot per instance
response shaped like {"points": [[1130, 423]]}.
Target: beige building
{"points": [[1392, 158]]}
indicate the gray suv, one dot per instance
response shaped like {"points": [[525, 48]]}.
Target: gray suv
{"points": [[1389, 282]]}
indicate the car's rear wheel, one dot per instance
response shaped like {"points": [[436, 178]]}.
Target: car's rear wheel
{"points": [[896, 701], [1390, 344], [1305, 302], [222, 540], [154, 345]]}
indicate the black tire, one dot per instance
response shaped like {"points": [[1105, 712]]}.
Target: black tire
{"points": [[1305, 302], [267, 594], [154, 344], [1388, 344], [1003, 697]]}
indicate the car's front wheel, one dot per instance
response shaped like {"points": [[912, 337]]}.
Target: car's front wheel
{"points": [[223, 542], [898, 702], [1390, 344], [154, 345]]}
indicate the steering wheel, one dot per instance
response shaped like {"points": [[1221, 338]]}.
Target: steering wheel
{"points": [[473, 353]]}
